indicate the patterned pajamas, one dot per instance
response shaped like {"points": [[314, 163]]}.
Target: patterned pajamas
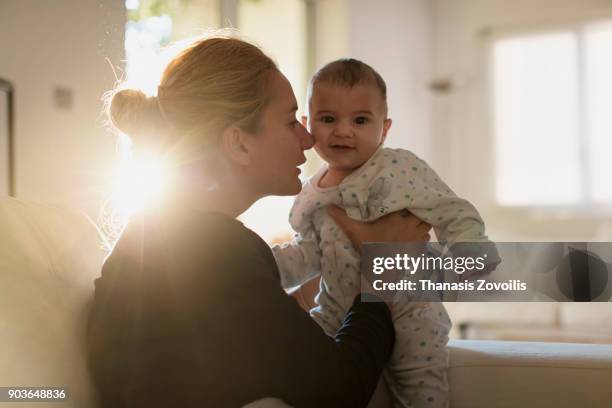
{"points": [[391, 180]]}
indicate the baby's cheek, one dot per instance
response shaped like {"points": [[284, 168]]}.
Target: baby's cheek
{"points": [[320, 149], [317, 135]]}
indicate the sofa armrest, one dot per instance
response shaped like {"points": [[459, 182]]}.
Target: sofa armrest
{"points": [[529, 374]]}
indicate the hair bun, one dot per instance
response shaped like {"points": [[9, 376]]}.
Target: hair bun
{"points": [[133, 113]]}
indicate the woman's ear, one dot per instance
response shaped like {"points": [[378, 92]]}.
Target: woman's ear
{"points": [[235, 145]]}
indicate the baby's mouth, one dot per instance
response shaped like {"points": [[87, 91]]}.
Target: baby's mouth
{"points": [[342, 147]]}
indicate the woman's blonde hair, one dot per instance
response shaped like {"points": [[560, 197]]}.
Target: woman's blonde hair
{"points": [[211, 84]]}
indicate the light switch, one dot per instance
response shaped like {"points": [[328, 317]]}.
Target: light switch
{"points": [[63, 97]]}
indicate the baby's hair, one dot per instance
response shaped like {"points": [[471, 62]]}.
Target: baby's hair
{"points": [[348, 72]]}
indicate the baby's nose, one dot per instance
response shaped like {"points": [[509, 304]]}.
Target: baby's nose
{"points": [[343, 129]]}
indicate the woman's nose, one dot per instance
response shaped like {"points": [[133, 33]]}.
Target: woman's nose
{"points": [[306, 139]]}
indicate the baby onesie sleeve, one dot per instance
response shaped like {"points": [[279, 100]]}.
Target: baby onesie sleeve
{"points": [[429, 198], [299, 260], [457, 223], [396, 179]]}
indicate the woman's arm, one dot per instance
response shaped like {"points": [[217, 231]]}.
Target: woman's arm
{"points": [[297, 361]]}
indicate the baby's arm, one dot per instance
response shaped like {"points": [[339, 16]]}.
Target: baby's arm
{"points": [[299, 260], [429, 198], [456, 221]]}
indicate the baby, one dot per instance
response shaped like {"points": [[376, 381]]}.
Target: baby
{"points": [[348, 119]]}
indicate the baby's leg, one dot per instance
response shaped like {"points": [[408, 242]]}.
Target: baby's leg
{"points": [[417, 371]]}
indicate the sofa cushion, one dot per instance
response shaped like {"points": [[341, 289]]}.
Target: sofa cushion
{"points": [[49, 258], [526, 374]]}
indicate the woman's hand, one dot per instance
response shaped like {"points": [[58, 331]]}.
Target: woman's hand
{"points": [[400, 226]]}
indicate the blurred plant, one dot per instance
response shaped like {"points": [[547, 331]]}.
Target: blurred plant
{"points": [[152, 8]]}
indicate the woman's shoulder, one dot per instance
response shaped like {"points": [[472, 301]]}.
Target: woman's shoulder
{"points": [[192, 239], [211, 225], [185, 227], [220, 228]]}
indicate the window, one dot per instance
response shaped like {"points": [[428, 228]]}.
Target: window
{"points": [[153, 24], [279, 27], [553, 133]]}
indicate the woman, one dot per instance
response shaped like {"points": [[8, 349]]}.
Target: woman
{"points": [[189, 310]]}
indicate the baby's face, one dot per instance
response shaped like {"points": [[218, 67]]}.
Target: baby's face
{"points": [[348, 124]]}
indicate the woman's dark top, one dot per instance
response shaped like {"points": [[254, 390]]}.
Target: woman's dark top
{"points": [[189, 312]]}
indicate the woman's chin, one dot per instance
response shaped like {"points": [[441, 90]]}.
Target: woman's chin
{"points": [[296, 188], [288, 187], [293, 189]]}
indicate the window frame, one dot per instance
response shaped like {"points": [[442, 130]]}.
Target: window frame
{"points": [[8, 93], [584, 210]]}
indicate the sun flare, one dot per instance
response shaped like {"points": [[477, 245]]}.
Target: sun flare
{"points": [[140, 182]]}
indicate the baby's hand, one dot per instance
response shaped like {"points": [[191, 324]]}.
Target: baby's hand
{"points": [[475, 273], [486, 252]]}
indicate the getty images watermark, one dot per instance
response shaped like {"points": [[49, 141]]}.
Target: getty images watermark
{"points": [[496, 272]]}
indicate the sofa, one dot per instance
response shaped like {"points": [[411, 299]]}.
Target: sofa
{"points": [[50, 256], [568, 322]]}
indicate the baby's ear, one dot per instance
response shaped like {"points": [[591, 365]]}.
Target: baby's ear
{"points": [[305, 121], [386, 126]]}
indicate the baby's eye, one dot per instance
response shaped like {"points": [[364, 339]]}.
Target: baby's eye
{"points": [[361, 120], [327, 119], [293, 123]]}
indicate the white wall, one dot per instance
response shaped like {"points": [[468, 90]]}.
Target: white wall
{"points": [[62, 155], [394, 37], [462, 141]]}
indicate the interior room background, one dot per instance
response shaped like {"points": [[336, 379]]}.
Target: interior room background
{"points": [[508, 101]]}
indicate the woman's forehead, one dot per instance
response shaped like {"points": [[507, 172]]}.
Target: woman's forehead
{"points": [[282, 98]]}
